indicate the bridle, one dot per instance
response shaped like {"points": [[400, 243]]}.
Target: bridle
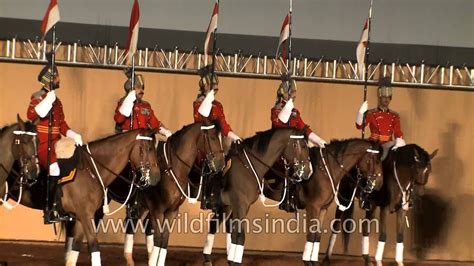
{"points": [[22, 157], [210, 156], [298, 164]]}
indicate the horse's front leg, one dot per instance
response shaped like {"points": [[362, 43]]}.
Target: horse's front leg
{"points": [[90, 231], [214, 224], [382, 234], [238, 225], [131, 225], [400, 230], [315, 217], [369, 216], [334, 232], [168, 219], [74, 237], [157, 218]]}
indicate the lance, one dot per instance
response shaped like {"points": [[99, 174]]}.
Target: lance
{"points": [[290, 64], [50, 114], [366, 63], [214, 43], [133, 88]]}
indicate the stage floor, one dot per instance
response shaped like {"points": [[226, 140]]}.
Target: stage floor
{"points": [[44, 253]]}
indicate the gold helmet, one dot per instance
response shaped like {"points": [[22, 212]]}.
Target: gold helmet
{"points": [[46, 74], [385, 87], [139, 80], [208, 77]]}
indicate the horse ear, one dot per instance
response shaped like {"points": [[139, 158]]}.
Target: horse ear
{"points": [[433, 154], [417, 154], [20, 122]]}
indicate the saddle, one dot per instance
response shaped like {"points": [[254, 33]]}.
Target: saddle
{"points": [[68, 156]]}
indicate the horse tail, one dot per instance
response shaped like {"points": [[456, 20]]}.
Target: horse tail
{"points": [[347, 227]]}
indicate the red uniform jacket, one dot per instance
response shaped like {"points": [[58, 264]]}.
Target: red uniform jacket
{"points": [[294, 121], [382, 125], [143, 116], [216, 115], [59, 126]]}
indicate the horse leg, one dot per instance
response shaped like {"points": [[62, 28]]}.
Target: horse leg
{"points": [[369, 215], [78, 236], [400, 229], [315, 216], [131, 225], [382, 235], [158, 228], [165, 235], [238, 226], [69, 231], [214, 223], [148, 234], [335, 230], [88, 225]]}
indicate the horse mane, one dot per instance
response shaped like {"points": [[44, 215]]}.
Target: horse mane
{"points": [[176, 138], [3, 129], [406, 155], [113, 136], [262, 139], [340, 146]]}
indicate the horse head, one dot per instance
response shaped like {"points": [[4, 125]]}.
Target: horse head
{"points": [[296, 156], [144, 159], [24, 150], [210, 144]]}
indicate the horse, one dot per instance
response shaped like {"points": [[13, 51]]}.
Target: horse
{"points": [[243, 181], [18, 142], [176, 157], [405, 169], [96, 169], [315, 194]]}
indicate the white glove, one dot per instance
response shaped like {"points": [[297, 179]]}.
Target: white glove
{"points": [[165, 132], [315, 139], [127, 104], [76, 137], [206, 105], [285, 113], [399, 142], [46, 104], [360, 114], [233, 136]]}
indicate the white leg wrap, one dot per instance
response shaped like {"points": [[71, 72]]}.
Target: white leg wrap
{"points": [[72, 257], [239, 253], [231, 252], [379, 251], [128, 244], [228, 241], [162, 257], [399, 252], [209, 244], [95, 258], [308, 247], [315, 251], [332, 242], [153, 259], [365, 245], [68, 247], [149, 244]]}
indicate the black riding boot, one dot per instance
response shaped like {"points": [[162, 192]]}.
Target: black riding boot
{"points": [[211, 193], [50, 212], [133, 210]]}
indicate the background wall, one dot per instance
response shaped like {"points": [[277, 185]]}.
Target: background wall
{"points": [[431, 118]]}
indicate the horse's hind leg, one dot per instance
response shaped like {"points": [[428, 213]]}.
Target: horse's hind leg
{"points": [[148, 234], [78, 236], [214, 224], [335, 230]]}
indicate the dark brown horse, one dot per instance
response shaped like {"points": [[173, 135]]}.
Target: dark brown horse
{"points": [[244, 181], [405, 170], [18, 144], [315, 195], [176, 158], [95, 171]]}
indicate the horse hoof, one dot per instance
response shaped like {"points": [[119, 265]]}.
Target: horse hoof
{"points": [[207, 263], [307, 263]]}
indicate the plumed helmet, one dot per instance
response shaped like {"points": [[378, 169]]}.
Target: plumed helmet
{"points": [[385, 87], [207, 76], [139, 80], [46, 74]]}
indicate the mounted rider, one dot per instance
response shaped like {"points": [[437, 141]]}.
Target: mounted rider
{"points": [[41, 104], [283, 115]]}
